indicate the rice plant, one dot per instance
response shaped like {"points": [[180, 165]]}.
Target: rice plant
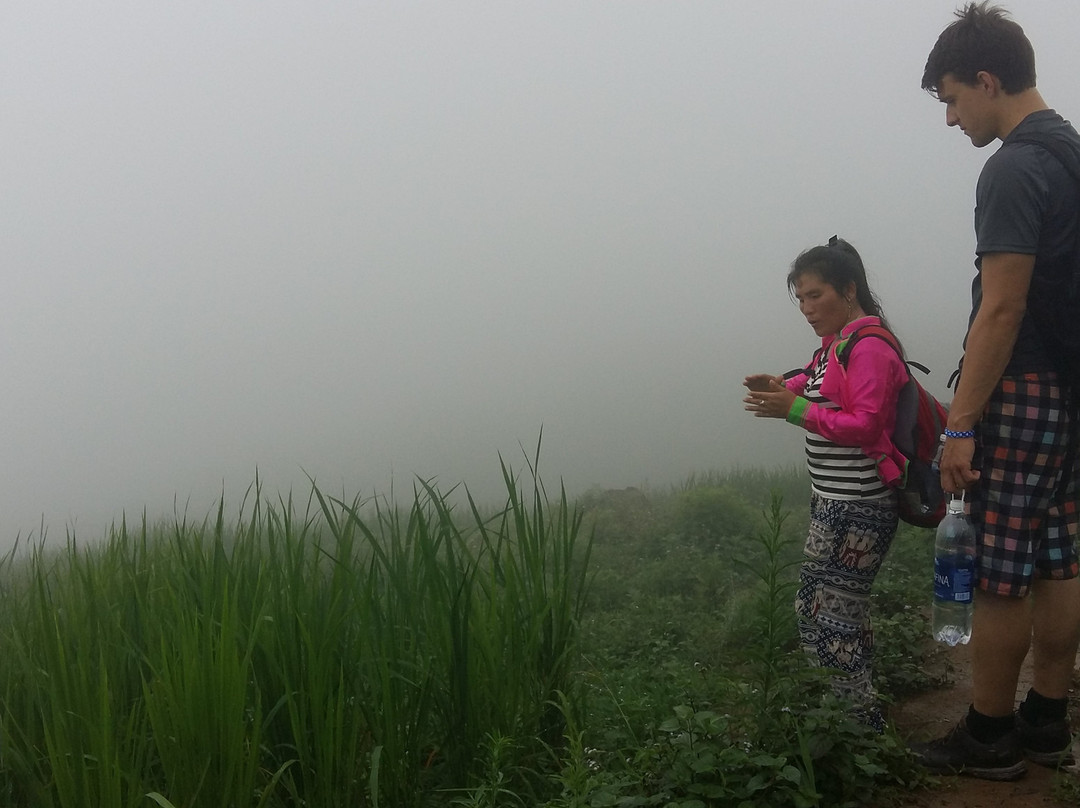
{"points": [[350, 653]]}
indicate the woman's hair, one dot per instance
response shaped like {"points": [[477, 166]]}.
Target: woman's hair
{"points": [[839, 265], [982, 37]]}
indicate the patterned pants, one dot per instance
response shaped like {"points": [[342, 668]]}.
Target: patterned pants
{"points": [[844, 550]]}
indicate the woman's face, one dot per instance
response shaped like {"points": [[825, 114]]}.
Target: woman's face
{"points": [[824, 308]]}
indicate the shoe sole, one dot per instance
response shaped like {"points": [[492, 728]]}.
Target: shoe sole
{"points": [[997, 773], [1005, 774], [1052, 760]]}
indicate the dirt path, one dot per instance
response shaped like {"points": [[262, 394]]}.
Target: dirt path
{"points": [[931, 715]]}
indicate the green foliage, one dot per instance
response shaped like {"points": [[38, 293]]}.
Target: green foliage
{"points": [[1066, 788], [719, 707], [334, 658], [773, 667], [900, 604], [635, 649]]}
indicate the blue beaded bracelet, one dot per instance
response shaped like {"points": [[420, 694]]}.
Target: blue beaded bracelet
{"points": [[963, 433]]}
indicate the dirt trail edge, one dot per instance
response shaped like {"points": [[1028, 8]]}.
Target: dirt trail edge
{"points": [[931, 715]]}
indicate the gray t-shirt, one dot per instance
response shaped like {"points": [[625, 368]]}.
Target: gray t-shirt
{"points": [[1026, 202]]}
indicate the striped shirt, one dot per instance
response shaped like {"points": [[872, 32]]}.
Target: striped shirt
{"points": [[837, 472]]}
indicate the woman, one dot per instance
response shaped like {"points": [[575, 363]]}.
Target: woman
{"points": [[848, 413]]}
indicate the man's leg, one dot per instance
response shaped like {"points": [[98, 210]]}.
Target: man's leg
{"points": [[1024, 534], [1056, 634], [1042, 720], [985, 743], [1000, 638]]}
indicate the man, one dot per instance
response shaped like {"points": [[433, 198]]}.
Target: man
{"points": [[1007, 442]]}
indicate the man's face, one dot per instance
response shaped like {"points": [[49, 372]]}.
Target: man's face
{"points": [[969, 107]]}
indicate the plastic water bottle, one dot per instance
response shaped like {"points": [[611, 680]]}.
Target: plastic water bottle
{"points": [[954, 575]]}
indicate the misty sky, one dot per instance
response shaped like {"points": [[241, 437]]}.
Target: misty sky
{"points": [[370, 240]]}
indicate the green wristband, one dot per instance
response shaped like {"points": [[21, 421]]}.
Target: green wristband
{"points": [[797, 413]]}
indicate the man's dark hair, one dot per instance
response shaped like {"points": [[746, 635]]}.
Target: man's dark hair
{"points": [[982, 38]]}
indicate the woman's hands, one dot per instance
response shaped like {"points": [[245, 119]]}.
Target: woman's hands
{"points": [[767, 397]]}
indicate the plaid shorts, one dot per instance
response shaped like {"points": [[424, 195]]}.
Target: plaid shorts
{"points": [[1025, 501]]}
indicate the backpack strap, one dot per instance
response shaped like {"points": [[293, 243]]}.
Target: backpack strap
{"points": [[1057, 147], [843, 351], [1069, 158], [847, 345], [1065, 154], [791, 374]]}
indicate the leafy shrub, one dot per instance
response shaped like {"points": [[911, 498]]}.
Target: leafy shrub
{"points": [[759, 728]]}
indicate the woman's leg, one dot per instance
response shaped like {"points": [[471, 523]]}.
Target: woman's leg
{"points": [[846, 544]]}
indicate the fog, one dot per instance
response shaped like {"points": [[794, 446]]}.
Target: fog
{"points": [[361, 242]]}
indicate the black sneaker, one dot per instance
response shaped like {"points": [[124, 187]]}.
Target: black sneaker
{"points": [[1047, 744], [959, 753]]}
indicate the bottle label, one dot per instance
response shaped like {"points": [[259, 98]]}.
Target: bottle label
{"points": [[953, 578]]}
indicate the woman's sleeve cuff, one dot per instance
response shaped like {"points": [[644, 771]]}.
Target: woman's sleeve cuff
{"points": [[797, 413]]}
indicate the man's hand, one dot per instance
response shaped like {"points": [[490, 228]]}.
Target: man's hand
{"points": [[957, 475]]}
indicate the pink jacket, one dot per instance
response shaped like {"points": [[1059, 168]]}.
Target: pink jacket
{"points": [[866, 391]]}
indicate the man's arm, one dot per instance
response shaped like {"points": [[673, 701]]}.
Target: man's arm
{"points": [[1005, 281]]}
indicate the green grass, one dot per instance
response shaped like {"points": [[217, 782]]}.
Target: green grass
{"points": [[632, 648], [355, 654]]}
